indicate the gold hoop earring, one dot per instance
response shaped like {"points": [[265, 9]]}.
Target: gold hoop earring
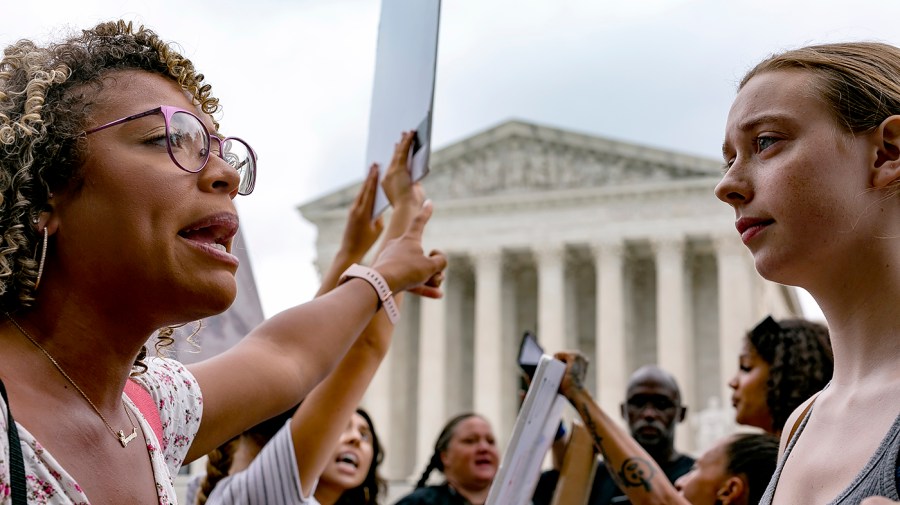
{"points": [[37, 281], [366, 493]]}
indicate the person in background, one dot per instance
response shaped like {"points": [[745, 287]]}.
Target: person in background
{"points": [[734, 471], [466, 453], [781, 365], [652, 410]]}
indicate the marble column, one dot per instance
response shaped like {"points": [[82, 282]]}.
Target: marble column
{"points": [[551, 327], [432, 372], [674, 343], [610, 360], [488, 354], [737, 292]]}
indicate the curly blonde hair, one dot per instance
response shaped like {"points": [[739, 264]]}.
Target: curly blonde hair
{"points": [[43, 108], [43, 111]]}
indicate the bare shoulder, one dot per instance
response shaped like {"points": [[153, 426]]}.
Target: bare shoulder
{"points": [[846, 428], [793, 423]]}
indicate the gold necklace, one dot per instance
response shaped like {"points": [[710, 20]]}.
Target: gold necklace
{"points": [[123, 439]]}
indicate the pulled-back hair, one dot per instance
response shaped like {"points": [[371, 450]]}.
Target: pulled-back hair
{"points": [[753, 457], [367, 492], [859, 81], [44, 103], [800, 363], [441, 445]]}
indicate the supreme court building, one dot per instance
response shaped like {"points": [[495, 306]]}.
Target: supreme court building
{"points": [[619, 250]]}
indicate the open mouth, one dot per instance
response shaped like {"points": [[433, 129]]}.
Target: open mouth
{"points": [[348, 458], [215, 231], [481, 462]]}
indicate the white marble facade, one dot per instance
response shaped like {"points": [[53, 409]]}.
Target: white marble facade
{"points": [[619, 250]]}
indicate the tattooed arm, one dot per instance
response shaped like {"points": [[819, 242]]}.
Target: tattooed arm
{"points": [[635, 472]]}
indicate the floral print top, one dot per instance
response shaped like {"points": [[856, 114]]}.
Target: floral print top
{"points": [[177, 395]]}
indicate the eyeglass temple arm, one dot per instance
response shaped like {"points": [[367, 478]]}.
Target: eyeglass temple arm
{"points": [[124, 119]]}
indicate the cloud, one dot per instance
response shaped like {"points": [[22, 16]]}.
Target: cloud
{"points": [[295, 79]]}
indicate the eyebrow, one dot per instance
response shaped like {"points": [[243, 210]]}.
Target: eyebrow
{"points": [[753, 122]]}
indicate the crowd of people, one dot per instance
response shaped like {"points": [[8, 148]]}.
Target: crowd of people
{"points": [[117, 219]]}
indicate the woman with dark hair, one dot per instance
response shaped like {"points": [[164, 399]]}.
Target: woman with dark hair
{"points": [[736, 470], [466, 453], [351, 477], [781, 365]]}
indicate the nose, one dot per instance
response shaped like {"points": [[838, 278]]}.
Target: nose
{"points": [[219, 177], [734, 189], [733, 383], [679, 483]]}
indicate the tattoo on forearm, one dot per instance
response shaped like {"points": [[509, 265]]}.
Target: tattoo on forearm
{"points": [[637, 472], [589, 423]]}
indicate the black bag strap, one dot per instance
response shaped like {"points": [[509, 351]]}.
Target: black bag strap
{"points": [[17, 464]]}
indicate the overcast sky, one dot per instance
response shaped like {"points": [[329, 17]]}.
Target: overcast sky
{"points": [[295, 78]]}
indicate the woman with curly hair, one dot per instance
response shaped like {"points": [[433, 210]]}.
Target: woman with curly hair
{"points": [[781, 365], [117, 219]]}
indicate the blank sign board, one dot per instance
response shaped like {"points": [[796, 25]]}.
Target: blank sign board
{"points": [[403, 92], [532, 436]]}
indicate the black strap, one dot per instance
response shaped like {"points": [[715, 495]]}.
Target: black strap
{"points": [[17, 464]]}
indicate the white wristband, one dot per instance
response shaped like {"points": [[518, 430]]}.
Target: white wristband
{"points": [[385, 296]]}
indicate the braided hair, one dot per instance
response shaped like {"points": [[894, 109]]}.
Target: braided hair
{"points": [[443, 442], [219, 461], [753, 457], [800, 362]]}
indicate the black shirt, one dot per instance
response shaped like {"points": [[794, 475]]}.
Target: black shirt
{"points": [[434, 495], [604, 490]]}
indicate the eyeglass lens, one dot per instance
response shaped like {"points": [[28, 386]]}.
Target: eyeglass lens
{"points": [[188, 141], [189, 144]]}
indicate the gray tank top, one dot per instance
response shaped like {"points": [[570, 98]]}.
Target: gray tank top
{"points": [[877, 478]]}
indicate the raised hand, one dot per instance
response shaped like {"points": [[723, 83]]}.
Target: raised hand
{"points": [[576, 370], [404, 264], [397, 182], [361, 230]]}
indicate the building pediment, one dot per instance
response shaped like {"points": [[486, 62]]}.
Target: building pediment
{"points": [[516, 157]]}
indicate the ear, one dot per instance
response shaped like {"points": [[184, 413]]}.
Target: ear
{"points": [[886, 169], [48, 218], [682, 413], [732, 491]]}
